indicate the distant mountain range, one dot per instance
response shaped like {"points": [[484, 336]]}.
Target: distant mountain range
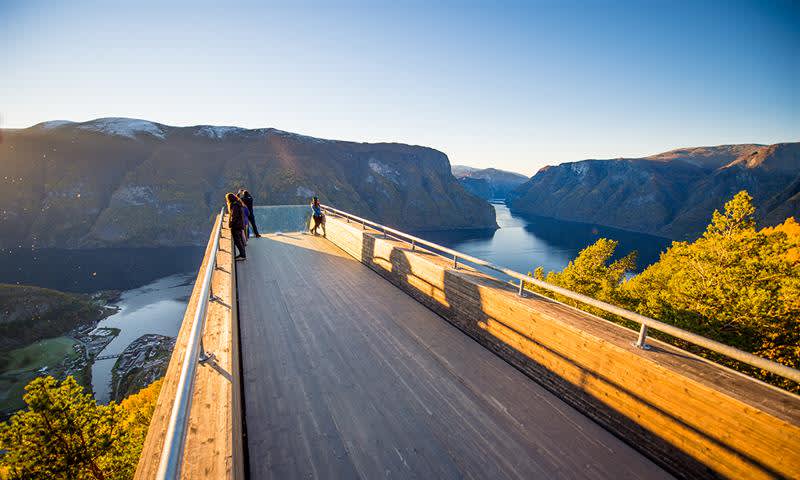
{"points": [[488, 183], [672, 194], [126, 182]]}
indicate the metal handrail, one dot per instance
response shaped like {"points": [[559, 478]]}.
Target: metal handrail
{"points": [[645, 322], [169, 464]]}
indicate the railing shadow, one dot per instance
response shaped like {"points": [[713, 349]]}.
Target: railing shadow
{"points": [[212, 363], [460, 301]]}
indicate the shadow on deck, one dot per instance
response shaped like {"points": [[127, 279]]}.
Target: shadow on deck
{"points": [[346, 376]]}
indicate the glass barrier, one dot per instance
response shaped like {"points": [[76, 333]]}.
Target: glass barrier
{"points": [[282, 218]]}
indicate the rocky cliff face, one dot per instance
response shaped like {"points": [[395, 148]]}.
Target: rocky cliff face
{"points": [[671, 194], [488, 183], [142, 362], [124, 182]]}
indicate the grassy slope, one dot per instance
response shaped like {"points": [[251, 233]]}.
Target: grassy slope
{"points": [[21, 365], [28, 314]]}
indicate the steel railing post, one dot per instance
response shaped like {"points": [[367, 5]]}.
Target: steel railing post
{"points": [[211, 295], [204, 356], [521, 288], [641, 341]]}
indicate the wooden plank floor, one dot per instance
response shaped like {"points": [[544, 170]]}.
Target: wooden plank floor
{"points": [[346, 376]]}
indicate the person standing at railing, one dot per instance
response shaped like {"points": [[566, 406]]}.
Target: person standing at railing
{"points": [[236, 223], [318, 216], [251, 216], [245, 217]]}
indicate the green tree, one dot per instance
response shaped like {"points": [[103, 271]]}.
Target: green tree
{"points": [[735, 284], [737, 218], [593, 273], [65, 434]]}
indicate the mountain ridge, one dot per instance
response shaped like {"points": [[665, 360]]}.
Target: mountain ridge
{"points": [[488, 183], [670, 194], [128, 182]]}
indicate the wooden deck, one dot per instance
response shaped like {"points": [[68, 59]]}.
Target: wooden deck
{"points": [[346, 376]]}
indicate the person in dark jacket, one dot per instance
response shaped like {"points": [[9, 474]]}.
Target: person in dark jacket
{"points": [[246, 217], [236, 223], [248, 202]]}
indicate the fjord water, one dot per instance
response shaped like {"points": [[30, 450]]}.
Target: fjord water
{"points": [[157, 307], [524, 243], [93, 270], [154, 285], [156, 282]]}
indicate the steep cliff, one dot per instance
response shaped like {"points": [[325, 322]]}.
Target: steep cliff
{"points": [[670, 194], [125, 182]]}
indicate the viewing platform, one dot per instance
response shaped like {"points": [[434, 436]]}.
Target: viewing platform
{"points": [[369, 353]]}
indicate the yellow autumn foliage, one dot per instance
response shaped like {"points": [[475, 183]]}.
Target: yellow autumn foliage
{"points": [[736, 284], [65, 434]]}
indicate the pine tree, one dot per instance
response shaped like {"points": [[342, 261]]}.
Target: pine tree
{"points": [[65, 434]]}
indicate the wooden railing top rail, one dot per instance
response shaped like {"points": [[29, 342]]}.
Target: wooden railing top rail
{"points": [[643, 321], [172, 453]]}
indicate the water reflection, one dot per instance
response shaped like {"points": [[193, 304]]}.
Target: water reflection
{"points": [[523, 243]]}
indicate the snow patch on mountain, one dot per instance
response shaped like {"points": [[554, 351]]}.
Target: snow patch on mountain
{"points": [[579, 168], [55, 124], [384, 170], [214, 132], [124, 127], [462, 170]]}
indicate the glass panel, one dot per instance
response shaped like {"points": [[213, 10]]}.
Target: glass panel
{"points": [[282, 218]]}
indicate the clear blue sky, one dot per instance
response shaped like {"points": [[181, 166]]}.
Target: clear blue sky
{"points": [[510, 85]]}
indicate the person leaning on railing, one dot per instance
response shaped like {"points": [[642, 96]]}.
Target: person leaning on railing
{"points": [[236, 223], [318, 216], [246, 218], [248, 202]]}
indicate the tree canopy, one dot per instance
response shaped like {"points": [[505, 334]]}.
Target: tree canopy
{"points": [[735, 284], [65, 434]]}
